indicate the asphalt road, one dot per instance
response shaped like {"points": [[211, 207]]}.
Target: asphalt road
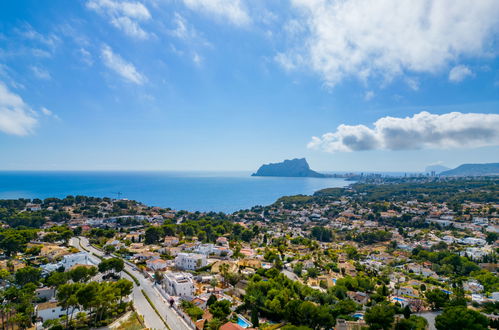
{"points": [[430, 317], [151, 319]]}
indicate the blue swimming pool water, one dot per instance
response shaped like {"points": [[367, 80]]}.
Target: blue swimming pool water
{"points": [[241, 322]]}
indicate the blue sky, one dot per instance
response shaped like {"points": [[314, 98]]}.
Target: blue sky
{"points": [[227, 85]]}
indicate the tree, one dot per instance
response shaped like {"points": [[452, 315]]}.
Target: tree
{"points": [[437, 298], [28, 275], [211, 300], [298, 268], [214, 324], [412, 323], [57, 278], [312, 272], [12, 242], [152, 235], [115, 264], [192, 310], [380, 316], [67, 297], [220, 309], [82, 273], [491, 237], [124, 288], [460, 317], [407, 311], [109, 249]]}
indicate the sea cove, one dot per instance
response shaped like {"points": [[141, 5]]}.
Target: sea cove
{"points": [[193, 191]]}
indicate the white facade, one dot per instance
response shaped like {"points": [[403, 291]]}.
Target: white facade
{"points": [[472, 241], [70, 260], [50, 312], [179, 284], [81, 258], [190, 261], [210, 248]]}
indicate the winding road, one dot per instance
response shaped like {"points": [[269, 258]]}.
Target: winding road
{"points": [[151, 319]]}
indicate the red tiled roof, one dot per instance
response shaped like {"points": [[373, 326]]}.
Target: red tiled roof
{"points": [[231, 326]]}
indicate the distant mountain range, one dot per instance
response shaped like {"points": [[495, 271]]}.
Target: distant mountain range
{"points": [[297, 167], [473, 170], [436, 168]]}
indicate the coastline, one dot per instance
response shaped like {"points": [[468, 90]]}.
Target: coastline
{"points": [[225, 192]]}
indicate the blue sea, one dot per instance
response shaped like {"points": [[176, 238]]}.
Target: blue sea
{"points": [[192, 191]]}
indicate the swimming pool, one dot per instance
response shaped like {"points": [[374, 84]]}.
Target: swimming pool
{"points": [[241, 321]]}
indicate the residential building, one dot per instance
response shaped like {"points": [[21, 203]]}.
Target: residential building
{"points": [[156, 264], [190, 261], [179, 284]]}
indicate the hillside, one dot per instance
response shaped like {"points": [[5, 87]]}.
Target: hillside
{"points": [[473, 170]]}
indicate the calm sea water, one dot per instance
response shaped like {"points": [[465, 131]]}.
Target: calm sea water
{"points": [[193, 191]]}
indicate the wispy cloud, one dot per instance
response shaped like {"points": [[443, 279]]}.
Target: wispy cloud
{"points": [[49, 113], [385, 39], [459, 73], [28, 32], [40, 73], [85, 56], [189, 36], [423, 130], [16, 117], [197, 59], [182, 30], [231, 10], [123, 68], [124, 15], [369, 95]]}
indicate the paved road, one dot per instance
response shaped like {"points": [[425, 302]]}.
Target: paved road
{"points": [[292, 276], [151, 319], [430, 317]]}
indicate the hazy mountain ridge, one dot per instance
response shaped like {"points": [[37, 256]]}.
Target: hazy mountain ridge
{"points": [[473, 170], [437, 168]]}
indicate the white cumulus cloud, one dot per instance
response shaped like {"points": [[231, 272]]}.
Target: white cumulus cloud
{"points": [[459, 73], [387, 38], [124, 15], [123, 68], [16, 117], [421, 131], [231, 10]]}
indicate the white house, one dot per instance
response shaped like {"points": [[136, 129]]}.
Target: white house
{"points": [[473, 286], [474, 253], [70, 260], [81, 258], [407, 291], [179, 284], [45, 293], [190, 261], [171, 241], [156, 264], [50, 311], [472, 241]]}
